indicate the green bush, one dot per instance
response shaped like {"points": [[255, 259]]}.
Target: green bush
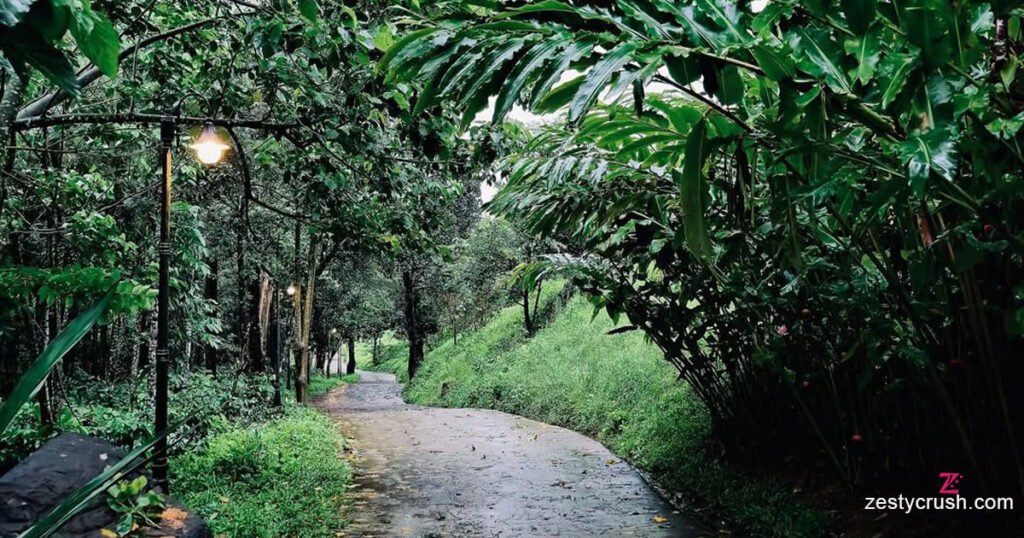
{"points": [[620, 390], [285, 478]]}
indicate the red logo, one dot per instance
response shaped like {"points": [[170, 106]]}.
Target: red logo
{"points": [[949, 486]]}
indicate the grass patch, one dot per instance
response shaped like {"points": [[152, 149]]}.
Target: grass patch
{"points": [[320, 384], [393, 357], [617, 389], [284, 478], [503, 332]]}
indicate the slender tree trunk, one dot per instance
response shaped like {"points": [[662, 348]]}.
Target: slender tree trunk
{"points": [[252, 329], [413, 330], [351, 355], [142, 355], [274, 346], [527, 318], [297, 346], [210, 292], [304, 318], [243, 306]]}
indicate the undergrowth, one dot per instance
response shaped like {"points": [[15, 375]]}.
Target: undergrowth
{"points": [[284, 478], [616, 388]]}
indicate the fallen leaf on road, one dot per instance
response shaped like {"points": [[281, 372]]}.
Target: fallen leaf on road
{"points": [[660, 519], [174, 517], [611, 462]]}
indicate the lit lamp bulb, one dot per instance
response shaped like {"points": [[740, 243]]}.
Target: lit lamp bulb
{"points": [[291, 290], [209, 147]]}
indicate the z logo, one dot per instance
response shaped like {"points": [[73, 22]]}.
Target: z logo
{"points": [[949, 486]]}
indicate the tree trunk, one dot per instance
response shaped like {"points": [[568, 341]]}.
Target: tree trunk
{"points": [[304, 318], [243, 306], [413, 330], [274, 346], [252, 329], [527, 318], [351, 356], [210, 292]]}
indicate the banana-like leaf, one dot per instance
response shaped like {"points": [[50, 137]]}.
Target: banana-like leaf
{"points": [[526, 67], [693, 190], [598, 78], [36, 374]]}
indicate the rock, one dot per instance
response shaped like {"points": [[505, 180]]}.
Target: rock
{"points": [[40, 482]]}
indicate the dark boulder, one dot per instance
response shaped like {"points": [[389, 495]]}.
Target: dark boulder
{"points": [[61, 466]]}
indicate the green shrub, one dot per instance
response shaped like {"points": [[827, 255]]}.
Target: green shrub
{"points": [[285, 478]]}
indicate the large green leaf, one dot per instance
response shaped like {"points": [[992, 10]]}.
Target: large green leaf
{"points": [[776, 64], [438, 66], [693, 189], [309, 9], [553, 71], [34, 377], [408, 39], [99, 42], [488, 78], [560, 96], [926, 154], [524, 69], [866, 49], [597, 78], [820, 59]]}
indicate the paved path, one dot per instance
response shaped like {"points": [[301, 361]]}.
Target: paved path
{"points": [[430, 472]]}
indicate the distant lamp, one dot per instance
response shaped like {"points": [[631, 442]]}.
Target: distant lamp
{"points": [[291, 290], [209, 147]]}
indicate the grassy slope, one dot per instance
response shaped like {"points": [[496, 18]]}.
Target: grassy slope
{"points": [[615, 388], [286, 477]]}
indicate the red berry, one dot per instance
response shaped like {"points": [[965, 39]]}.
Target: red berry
{"points": [[988, 228], [857, 438], [806, 313]]}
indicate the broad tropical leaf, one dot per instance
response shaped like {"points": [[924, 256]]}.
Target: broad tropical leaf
{"points": [[32, 380]]}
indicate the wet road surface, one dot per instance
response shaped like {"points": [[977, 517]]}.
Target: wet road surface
{"points": [[431, 472]]}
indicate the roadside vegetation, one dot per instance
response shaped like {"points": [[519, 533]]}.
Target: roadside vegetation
{"points": [[287, 477]]}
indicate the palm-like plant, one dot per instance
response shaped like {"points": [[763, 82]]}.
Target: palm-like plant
{"points": [[819, 214]]}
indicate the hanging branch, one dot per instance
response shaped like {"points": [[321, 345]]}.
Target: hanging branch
{"points": [[37, 122], [87, 76]]}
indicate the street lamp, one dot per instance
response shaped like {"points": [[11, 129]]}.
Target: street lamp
{"points": [[209, 149]]}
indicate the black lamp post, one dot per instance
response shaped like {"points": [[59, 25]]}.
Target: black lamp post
{"points": [[209, 149]]}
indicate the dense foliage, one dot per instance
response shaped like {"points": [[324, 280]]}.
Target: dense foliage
{"points": [[813, 210]]}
